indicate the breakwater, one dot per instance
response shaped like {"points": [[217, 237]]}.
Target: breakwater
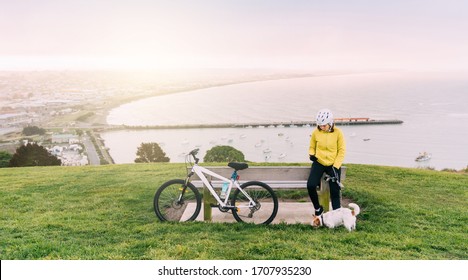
{"points": [[338, 122]]}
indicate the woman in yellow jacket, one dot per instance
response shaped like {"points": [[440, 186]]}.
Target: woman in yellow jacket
{"points": [[327, 151]]}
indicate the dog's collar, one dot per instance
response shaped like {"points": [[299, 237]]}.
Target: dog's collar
{"points": [[321, 218]]}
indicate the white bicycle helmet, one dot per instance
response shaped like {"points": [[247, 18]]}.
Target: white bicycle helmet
{"points": [[324, 117]]}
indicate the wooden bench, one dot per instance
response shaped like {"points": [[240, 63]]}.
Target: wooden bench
{"points": [[277, 177]]}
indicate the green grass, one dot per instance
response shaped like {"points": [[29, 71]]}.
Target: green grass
{"points": [[106, 212]]}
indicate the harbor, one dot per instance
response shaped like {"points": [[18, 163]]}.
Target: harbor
{"points": [[338, 121]]}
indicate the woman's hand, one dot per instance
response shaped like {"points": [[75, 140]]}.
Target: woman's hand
{"points": [[336, 171], [312, 158]]}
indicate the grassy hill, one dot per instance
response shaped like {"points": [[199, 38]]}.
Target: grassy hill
{"points": [[106, 212]]}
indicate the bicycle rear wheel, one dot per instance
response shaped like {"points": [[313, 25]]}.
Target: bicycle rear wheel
{"points": [[175, 201], [266, 208]]}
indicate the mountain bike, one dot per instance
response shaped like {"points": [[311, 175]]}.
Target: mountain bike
{"points": [[250, 202]]}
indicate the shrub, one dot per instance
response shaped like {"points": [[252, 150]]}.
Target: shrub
{"points": [[223, 154], [150, 152], [33, 130], [5, 159], [33, 155], [449, 170]]}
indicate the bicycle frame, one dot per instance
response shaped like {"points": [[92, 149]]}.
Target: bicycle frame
{"points": [[201, 171]]}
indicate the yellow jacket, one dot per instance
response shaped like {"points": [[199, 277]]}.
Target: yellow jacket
{"points": [[328, 147]]}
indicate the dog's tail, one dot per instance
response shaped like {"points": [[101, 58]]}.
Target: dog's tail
{"points": [[355, 210]]}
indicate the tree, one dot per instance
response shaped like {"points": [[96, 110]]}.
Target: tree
{"points": [[33, 155], [223, 154], [5, 159], [33, 130], [150, 152]]}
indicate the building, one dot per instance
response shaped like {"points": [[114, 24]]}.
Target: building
{"points": [[65, 138]]}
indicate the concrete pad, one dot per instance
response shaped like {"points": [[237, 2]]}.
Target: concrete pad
{"points": [[288, 212]]}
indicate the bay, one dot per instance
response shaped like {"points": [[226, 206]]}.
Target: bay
{"points": [[433, 107]]}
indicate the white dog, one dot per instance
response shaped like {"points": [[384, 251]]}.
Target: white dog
{"points": [[338, 217]]}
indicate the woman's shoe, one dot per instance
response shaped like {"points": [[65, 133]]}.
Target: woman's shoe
{"points": [[319, 211]]}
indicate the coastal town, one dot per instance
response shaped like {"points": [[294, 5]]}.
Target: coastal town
{"points": [[72, 106], [61, 103]]}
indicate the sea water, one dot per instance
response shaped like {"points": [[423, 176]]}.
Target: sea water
{"points": [[432, 106]]}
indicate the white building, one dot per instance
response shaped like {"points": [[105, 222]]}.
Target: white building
{"points": [[65, 138]]}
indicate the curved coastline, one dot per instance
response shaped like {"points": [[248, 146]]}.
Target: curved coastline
{"points": [[116, 104]]}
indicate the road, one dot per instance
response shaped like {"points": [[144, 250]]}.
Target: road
{"points": [[93, 156]]}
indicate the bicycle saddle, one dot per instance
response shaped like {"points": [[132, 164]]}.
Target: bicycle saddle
{"points": [[238, 165]]}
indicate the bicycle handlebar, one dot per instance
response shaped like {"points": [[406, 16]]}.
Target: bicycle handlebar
{"points": [[193, 153]]}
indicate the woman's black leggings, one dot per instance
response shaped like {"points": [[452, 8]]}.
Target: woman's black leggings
{"points": [[315, 176]]}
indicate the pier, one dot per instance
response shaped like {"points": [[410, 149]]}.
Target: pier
{"points": [[338, 122]]}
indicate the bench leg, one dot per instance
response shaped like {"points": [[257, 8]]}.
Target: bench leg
{"points": [[208, 200], [324, 196]]}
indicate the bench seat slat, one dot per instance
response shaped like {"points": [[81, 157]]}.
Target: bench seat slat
{"points": [[273, 184]]}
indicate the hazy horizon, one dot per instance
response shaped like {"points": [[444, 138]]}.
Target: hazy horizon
{"points": [[299, 35]]}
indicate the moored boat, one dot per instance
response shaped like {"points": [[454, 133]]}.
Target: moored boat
{"points": [[423, 156]]}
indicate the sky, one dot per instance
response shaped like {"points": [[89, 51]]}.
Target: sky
{"points": [[265, 34]]}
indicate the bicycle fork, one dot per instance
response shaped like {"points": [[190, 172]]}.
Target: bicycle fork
{"points": [[180, 200]]}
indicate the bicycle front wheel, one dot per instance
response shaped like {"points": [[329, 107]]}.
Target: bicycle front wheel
{"points": [[266, 203], [177, 201]]}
